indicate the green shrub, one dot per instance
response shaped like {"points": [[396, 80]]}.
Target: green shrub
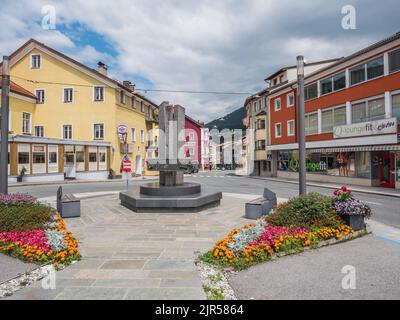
{"points": [[308, 211], [27, 217]]}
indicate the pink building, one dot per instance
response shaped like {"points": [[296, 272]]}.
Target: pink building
{"points": [[193, 130]]}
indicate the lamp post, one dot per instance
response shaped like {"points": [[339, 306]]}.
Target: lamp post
{"points": [[301, 125], [5, 100]]}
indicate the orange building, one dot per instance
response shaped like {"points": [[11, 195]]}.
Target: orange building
{"points": [[352, 116]]}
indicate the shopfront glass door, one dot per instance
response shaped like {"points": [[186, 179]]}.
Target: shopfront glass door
{"points": [[387, 171]]}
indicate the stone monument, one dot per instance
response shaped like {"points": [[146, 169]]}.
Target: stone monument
{"points": [[171, 193]]}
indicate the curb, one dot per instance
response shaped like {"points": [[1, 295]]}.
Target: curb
{"points": [[380, 193], [66, 182]]}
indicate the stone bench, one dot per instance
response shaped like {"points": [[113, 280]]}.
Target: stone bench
{"points": [[261, 206], [68, 205]]}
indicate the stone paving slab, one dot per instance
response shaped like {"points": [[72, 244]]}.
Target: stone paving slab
{"points": [[128, 255], [11, 267]]}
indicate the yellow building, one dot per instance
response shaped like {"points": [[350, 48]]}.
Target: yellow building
{"points": [[76, 114]]}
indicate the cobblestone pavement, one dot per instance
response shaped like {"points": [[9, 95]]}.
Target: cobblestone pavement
{"points": [[129, 255]]}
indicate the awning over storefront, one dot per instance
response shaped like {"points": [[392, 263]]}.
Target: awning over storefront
{"points": [[357, 148]]}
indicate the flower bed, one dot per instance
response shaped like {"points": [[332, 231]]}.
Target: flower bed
{"points": [[302, 222], [34, 232]]}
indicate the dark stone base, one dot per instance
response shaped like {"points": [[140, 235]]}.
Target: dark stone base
{"points": [[138, 202], [356, 222], [154, 189]]}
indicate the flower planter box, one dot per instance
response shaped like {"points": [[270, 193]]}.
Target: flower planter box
{"points": [[20, 179], [354, 221]]}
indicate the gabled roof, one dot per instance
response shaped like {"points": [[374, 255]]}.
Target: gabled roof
{"points": [[15, 88], [93, 72]]}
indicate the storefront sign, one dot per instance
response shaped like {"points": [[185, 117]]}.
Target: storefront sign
{"points": [[369, 128], [310, 166]]}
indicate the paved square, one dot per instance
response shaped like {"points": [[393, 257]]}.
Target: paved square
{"points": [[128, 255]]}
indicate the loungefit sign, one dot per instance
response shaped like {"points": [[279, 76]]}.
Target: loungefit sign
{"points": [[369, 128]]}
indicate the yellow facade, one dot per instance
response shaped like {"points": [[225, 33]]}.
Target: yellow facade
{"points": [[54, 75]]}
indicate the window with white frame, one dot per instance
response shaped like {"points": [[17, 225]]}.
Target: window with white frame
{"points": [[133, 131], [290, 100], [311, 91], [278, 130], [332, 117], [98, 93], [39, 131], [141, 106], [368, 110], [39, 96], [122, 97], [68, 95], [36, 61], [67, 131], [133, 102], [396, 107], [98, 131], [26, 123], [191, 136], [277, 104], [142, 136], [311, 123], [290, 128], [334, 83], [266, 102], [394, 61], [367, 71]]}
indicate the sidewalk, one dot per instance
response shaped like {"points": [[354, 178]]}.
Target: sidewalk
{"points": [[24, 184], [371, 190]]}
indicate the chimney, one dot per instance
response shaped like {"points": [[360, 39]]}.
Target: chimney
{"points": [[128, 84], [102, 68]]}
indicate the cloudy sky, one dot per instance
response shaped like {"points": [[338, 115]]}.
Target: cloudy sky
{"points": [[203, 45]]}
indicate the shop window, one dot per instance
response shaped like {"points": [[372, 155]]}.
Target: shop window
{"points": [[394, 61], [93, 157], [80, 158], [311, 91], [396, 106], [38, 157], [363, 164], [53, 157], [23, 157]]}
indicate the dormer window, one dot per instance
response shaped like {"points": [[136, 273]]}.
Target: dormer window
{"points": [[122, 97], [35, 61]]}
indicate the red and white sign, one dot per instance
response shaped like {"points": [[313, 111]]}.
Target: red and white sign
{"points": [[126, 166]]}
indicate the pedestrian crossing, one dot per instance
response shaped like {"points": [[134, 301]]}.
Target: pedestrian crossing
{"points": [[208, 176]]}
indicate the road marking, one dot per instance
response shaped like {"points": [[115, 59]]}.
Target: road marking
{"points": [[376, 203], [388, 240]]}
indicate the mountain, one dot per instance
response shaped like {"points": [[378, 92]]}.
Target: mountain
{"points": [[233, 120]]}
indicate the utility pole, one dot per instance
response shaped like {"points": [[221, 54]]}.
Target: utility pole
{"points": [[301, 125], [5, 97]]}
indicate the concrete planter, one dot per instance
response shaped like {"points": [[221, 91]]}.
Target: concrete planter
{"points": [[354, 221]]}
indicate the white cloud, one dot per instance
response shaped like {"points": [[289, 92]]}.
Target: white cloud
{"points": [[197, 45]]}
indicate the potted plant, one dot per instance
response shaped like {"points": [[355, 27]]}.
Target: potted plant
{"points": [[21, 174], [111, 174], [353, 211]]}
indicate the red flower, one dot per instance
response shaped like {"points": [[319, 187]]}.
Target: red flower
{"points": [[344, 189], [336, 193]]}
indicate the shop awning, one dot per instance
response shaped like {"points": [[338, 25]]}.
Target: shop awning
{"points": [[358, 148]]}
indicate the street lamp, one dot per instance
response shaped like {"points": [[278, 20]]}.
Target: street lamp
{"points": [[301, 125]]}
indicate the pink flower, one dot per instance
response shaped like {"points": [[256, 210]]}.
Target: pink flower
{"points": [[32, 238]]}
